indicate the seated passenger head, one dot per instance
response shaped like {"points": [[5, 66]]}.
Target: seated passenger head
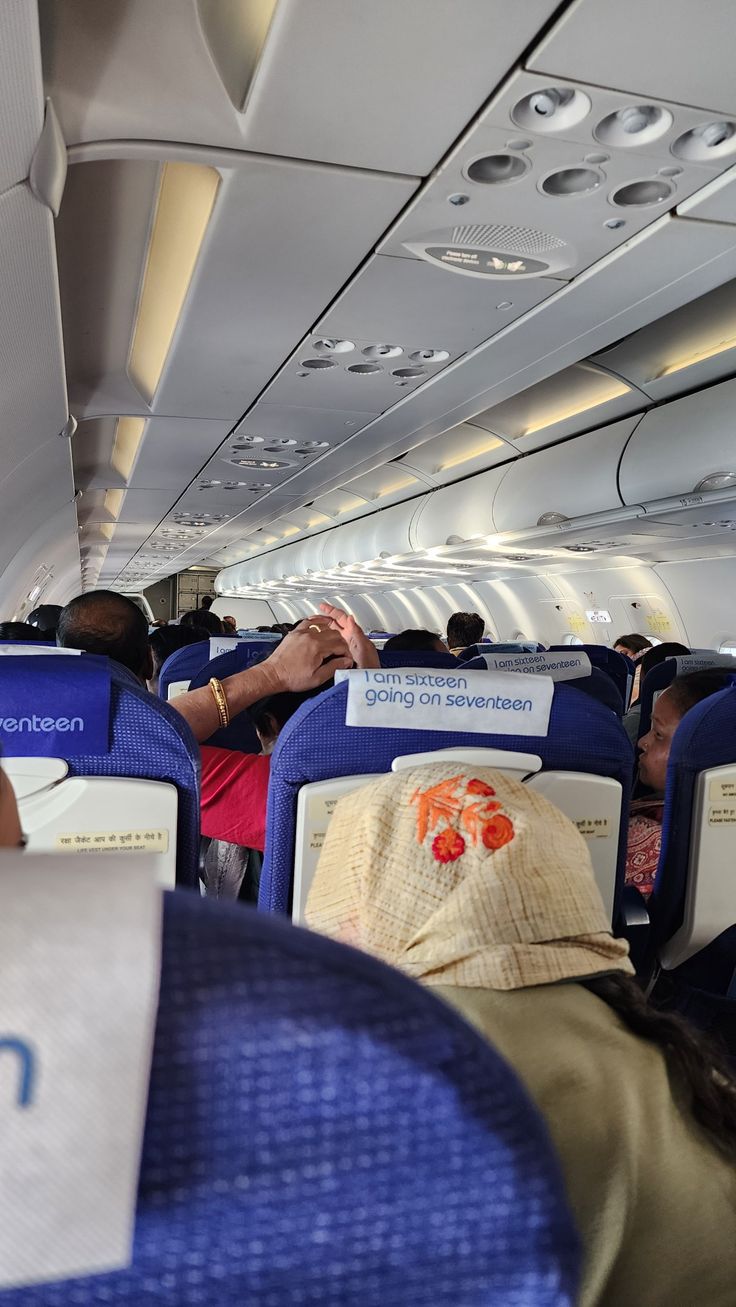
{"points": [[202, 617], [667, 713], [102, 622], [207, 602], [164, 641], [463, 876], [658, 654], [46, 619], [19, 632], [230, 626], [464, 629], [633, 646], [415, 642], [270, 715]]}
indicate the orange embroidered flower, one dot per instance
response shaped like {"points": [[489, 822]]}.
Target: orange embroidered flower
{"points": [[480, 787], [498, 831], [448, 846]]}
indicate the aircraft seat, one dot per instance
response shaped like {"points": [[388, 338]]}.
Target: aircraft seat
{"points": [[415, 658], [180, 667], [241, 733], [278, 1169], [598, 685], [664, 674], [616, 665], [317, 746], [137, 780]]}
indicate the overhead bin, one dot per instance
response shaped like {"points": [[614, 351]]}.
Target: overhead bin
{"points": [[458, 512], [564, 481], [385, 533], [682, 448]]}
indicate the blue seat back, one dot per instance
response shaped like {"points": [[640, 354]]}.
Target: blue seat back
{"points": [[597, 685], [182, 665], [664, 674], [316, 745], [148, 739], [241, 733], [491, 647], [706, 737], [321, 1130], [614, 664], [405, 658]]}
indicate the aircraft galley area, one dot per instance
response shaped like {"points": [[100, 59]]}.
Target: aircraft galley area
{"points": [[367, 653]]}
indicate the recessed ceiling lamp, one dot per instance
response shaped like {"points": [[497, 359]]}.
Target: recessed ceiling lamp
{"points": [[186, 197], [698, 356]]}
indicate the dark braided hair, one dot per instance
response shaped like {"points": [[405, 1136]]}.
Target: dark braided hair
{"points": [[694, 1061]]}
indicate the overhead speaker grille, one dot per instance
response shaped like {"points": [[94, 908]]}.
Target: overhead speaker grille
{"points": [[495, 250], [519, 240]]}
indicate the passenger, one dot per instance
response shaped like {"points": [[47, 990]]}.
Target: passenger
{"points": [[415, 641], [46, 619], [202, 617], [646, 815], [19, 633], [478, 887], [463, 630], [649, 659], [103, 622], [633, 646], [165, 641], [235, 785], [207, 602], [229, 626]]}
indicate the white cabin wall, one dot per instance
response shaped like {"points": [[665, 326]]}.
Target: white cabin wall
{"points": [[704, 591], [248, 613]]}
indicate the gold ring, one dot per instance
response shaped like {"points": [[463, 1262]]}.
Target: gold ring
{"points": [[313, 627]]}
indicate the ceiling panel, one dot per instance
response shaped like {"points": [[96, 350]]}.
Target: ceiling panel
{"points": [[259, 281], [680, 51], [369, 85], [398, 301], [21, 90], [172, 451], [529, 193]]}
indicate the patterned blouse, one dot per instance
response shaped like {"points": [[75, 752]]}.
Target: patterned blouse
{"points": [[645, 843]]}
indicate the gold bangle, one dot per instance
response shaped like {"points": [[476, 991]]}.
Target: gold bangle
{"points": [[218, 694]]}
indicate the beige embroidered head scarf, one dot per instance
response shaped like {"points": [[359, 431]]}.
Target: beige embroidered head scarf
{"points": [[463, 876]]}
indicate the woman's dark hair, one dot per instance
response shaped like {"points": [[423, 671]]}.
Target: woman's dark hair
{"points": [[634, 642], [202, 617], [165, 640], [692, 687], [464, 629], [280, 707], [695, 1062], [413, 642]]}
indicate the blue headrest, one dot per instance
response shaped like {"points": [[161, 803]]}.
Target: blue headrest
{"points": [[616, 665], [491, 647], [241, 733], [144, 738], [285, 1159], [597, 685], [405, 658], [316, 745], [182, 665]]}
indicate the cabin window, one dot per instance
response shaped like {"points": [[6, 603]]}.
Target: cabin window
{"points": [[728, 646]]}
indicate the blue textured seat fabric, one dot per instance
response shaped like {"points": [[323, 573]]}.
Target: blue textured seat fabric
{"points": [[597, 685], [706, 737], [418, 658], [241, 733], [322, 1131], [182, 665], [316, 745], [614, 664], [151, 740]]}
